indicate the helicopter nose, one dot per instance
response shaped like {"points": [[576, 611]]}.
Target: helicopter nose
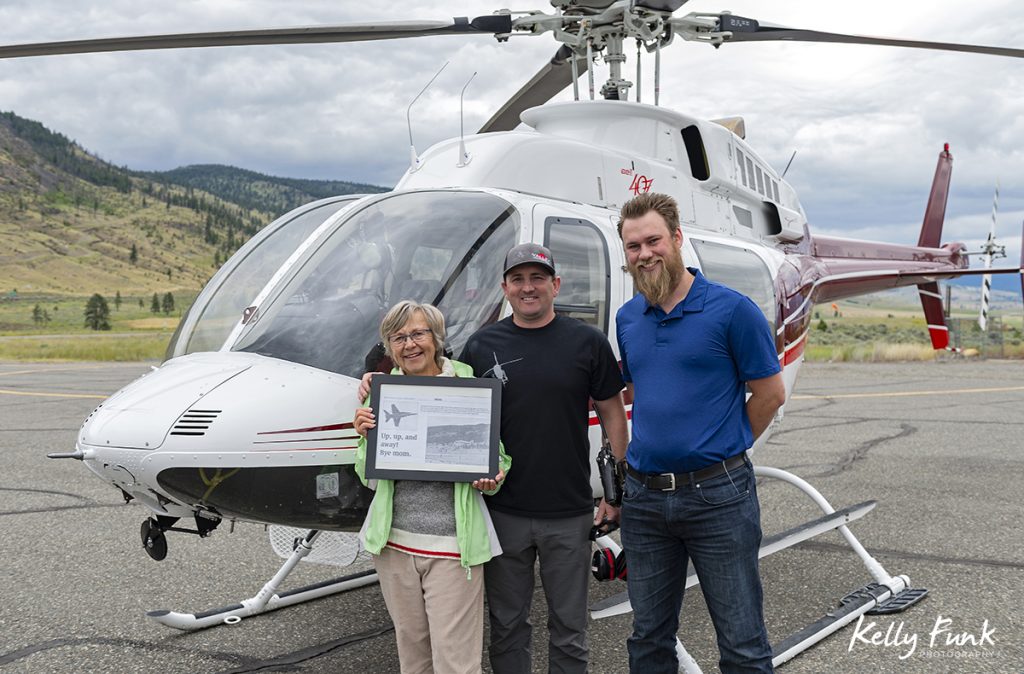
{"points": [[141, 414]]}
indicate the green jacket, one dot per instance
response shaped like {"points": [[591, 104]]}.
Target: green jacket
{"points": [[474, 532]]}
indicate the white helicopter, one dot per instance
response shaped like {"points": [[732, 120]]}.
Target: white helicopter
{"points": [[249, 417]]}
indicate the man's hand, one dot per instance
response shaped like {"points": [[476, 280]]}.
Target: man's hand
{"points": [[364, 420], [487, 484], [606, 513], [364, 386], [767, 395]]}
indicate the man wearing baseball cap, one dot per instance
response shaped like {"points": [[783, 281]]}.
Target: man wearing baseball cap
{"points": [[550, 367]]}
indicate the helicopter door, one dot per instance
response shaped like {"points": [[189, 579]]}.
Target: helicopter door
{"points": [[581, 258]]}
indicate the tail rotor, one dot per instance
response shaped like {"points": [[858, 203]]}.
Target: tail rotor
{"points": [[989, 250]]}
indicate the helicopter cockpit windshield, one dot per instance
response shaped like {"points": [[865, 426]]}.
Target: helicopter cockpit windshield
{"points": [[445, 248], [217, 309]]}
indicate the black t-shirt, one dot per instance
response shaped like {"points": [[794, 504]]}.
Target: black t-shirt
{"points": [[548, 376]]}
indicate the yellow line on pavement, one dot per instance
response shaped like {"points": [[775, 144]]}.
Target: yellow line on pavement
{"points": [[43, 394], [53, 369], [903, 394]]}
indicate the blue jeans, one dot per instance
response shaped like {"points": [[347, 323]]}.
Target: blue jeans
{"points": [[716, 524]]}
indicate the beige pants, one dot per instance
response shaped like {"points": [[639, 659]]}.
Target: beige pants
{"points": [[438, 613]]}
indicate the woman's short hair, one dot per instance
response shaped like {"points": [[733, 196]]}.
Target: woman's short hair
{"points": [[400, 314]]}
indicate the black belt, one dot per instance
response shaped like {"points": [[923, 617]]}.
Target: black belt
{"points": [[670, 481]]}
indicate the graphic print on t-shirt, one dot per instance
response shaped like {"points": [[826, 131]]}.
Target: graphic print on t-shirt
{"points": [[498, 371]]}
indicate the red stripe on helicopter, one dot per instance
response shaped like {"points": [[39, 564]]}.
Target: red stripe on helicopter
{"points": [[285, 450], [794, 350], [278, 442], [311, 429], [594, 421]]}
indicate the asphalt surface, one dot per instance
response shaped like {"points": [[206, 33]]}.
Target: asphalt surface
{"points": [[938, 445]]}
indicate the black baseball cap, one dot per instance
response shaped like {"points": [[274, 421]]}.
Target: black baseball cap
{"points": [[529, 253]]}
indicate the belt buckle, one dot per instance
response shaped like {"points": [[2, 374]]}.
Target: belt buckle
{"points": [[672, 481]]}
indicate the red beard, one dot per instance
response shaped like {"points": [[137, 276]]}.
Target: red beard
{"points": [[657, 287]]}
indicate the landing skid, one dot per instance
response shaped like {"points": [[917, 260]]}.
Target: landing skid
{"points": [[268, 598], [887, 594]]}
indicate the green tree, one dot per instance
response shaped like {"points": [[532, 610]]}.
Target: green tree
{"points": [[168, 303], [133, 257], [117, 301], [37, 314], [142, 305], [97, 313], [154, 306]]}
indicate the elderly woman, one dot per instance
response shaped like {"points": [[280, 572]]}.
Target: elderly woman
{"points": [[429, 539]]}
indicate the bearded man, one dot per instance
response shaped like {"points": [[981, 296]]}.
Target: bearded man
{"points": [[690, 349]]}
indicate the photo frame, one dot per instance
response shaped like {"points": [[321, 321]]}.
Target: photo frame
{"points": [[433, 428]]}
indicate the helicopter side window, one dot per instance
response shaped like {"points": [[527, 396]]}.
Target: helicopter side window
{"points": [[743, 167], [423, 246], [244, 275], [581, 257], [740, 269], [695, 152]]}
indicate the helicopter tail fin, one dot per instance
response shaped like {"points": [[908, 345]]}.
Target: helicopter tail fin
{"points": [[931, 302], [931, 237], [935, 212]]}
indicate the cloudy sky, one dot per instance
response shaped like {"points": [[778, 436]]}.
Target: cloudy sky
{"points": [[866, 122]]}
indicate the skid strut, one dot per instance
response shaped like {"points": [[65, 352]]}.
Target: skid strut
{"points": [[268, 598]]}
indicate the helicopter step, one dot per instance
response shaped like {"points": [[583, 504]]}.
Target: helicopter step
{"points": [[900, 602], [268, 598], [873, 598]]}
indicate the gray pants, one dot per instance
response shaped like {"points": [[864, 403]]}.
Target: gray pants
{"points": [[563, 547]]}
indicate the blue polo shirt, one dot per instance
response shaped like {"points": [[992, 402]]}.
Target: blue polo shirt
{"points": [[688, 370]]}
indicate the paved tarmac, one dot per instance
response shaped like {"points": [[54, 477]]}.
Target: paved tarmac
{"points": [[939, 445]]}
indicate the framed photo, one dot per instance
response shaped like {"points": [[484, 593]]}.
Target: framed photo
{"points": [[433, 428]]}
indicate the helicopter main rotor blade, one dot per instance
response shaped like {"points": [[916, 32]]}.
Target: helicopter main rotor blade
{"points": [[352, 32], [542, 87], [750, 30]]}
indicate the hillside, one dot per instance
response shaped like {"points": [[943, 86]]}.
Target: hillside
{"points": [[257, 191], [73, 224]]}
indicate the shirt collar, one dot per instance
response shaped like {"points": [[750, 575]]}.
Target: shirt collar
{"points": [[694, 300]]}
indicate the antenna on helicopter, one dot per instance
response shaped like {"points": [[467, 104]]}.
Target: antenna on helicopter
{"points": [[788, 164], [414, 159], [463, 155]]}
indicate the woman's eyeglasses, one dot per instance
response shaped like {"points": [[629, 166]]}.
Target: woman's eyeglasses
{"points": [[418, 336]]}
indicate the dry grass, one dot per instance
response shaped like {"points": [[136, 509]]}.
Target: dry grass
{"points": [[155, 323], [872, 352], [881, 352], [125, 348]]}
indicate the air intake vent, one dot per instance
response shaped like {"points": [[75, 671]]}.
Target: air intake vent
{"points": [[195, 422]]}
